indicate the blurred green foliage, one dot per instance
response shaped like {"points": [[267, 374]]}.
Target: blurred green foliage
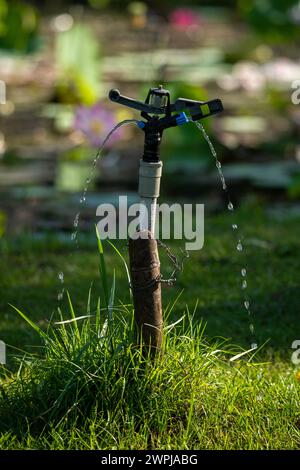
{"points": [[78, 154], [71, 175], [78, 59], [3, 219], [272, 19], [98, 4], [277, 99], [294, 189], [18, 26], [217, 8]]}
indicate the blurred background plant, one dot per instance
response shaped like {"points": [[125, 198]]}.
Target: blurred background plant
{"points": [[78, 61], [57, 112], [58, 61], [94, 122], [274, 20], [18, 26]]}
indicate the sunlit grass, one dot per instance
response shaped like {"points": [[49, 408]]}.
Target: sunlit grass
{"points": [[94, 389]]}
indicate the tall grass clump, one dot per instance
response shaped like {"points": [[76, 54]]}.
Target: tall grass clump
{"points": [[95, 369]]}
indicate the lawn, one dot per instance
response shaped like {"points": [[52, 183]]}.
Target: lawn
{"points": [[193, 396]]}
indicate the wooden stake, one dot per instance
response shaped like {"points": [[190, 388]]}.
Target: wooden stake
{"points": [[146, 289]]}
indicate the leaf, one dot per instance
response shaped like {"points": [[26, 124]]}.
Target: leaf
{"points": [[102, 269], [31, 323], [73, 316], [64, 322], [123, 259], [170, 327], [237, 356]]}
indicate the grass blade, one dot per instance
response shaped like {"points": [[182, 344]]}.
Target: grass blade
{"points": [[237, 356], [31, 323], [102, 269], [73, 316], [124, 262]]}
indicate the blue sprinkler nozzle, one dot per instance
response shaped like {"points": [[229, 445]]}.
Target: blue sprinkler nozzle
{"points": [[182, 119], [141, 124]]}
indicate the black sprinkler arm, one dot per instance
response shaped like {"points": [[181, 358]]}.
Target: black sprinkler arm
{"points": [[115, 95], [197, 109], [158, 103]]}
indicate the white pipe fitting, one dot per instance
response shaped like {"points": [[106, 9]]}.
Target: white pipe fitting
{"points": [[149, 186], [149, 178]]}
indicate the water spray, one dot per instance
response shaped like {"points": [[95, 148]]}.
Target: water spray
{"points": [[159, 114]]}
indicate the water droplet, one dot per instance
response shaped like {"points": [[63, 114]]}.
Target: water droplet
{"points": [[244, 285], [88, 180], [73, 236], [234, 226], [244, 272], [76, 220], [61, 276], [224, 186], [218, 164], [60, 296], [246, 304], [239, 246], [230, 206], [251, 328], [82, 199], [253, 345]]}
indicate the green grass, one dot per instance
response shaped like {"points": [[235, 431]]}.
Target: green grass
{"points": [[94, 389], [87, 389]]}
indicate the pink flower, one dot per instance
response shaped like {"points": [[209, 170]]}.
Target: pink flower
{"points": [[184, 18], [95, 122]]}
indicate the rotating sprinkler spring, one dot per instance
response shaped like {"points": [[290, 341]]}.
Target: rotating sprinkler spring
{"points": [[159, 114]]}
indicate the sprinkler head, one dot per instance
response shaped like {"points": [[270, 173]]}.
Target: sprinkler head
{"points": [[159, 98], [160, 114], [158, 103]]}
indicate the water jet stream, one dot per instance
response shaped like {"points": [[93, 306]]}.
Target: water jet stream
{"points": [[234, 226]]}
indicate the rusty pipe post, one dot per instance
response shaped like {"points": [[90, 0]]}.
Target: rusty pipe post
{"points": [[146, 289]]}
